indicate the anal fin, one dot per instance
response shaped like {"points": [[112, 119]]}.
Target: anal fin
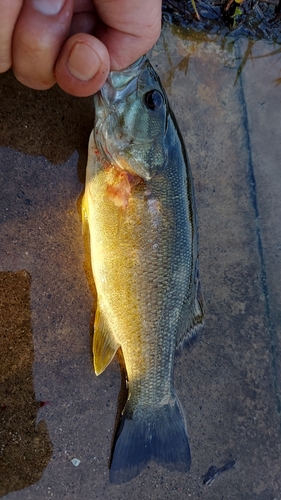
{"points": [[104, 346]]}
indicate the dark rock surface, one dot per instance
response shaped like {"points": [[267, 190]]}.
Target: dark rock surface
{"points": [[251, 18]]}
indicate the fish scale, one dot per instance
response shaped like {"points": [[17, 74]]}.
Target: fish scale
{"points": [[139, 205]]}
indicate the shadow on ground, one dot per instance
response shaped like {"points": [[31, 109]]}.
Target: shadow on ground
{"points": [[45, 123], [25, 445]]}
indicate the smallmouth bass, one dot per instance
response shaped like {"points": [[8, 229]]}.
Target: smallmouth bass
{"points": [[140, 209]]}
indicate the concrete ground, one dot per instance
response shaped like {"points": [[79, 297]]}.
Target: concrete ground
{"points": [[53, 409]]}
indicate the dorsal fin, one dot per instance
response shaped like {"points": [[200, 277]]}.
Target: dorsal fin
{"points": [[104, 346]]}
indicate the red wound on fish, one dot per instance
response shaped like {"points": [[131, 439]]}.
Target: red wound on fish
{"points": [[119, 189]]}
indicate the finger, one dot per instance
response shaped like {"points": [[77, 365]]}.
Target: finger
{"points": [[83, 22], [82, 66], [83, 6], [84, 18], [42, 27], [9, 15], [130, 28]]}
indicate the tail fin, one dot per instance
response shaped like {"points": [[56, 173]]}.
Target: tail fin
{"points": [[158, 434]]}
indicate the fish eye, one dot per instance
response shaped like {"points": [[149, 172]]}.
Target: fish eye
{"points": [[153, 100]]}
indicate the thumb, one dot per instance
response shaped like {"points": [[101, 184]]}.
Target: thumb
{"points": [[82, 66]]}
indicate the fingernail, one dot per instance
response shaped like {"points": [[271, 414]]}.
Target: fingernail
{"points": [[48, 7], [83, 62]]}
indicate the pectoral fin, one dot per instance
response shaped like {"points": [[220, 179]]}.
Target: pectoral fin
{"points": [[105, 345]]}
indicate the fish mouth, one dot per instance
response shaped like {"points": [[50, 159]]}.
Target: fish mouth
{"points": [[120, 84]]}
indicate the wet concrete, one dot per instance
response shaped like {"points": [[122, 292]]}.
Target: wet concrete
{"points": [[229, 380]]}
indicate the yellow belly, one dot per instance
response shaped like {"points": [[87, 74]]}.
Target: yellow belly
{"points": [[131, 251]]}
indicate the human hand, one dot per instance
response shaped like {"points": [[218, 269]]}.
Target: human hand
{"points": [[74, 43]]}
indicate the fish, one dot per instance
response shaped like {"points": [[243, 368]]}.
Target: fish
{"points": [[139, 208]]}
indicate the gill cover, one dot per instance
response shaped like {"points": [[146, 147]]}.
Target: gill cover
{"points": [[131, 120]]}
